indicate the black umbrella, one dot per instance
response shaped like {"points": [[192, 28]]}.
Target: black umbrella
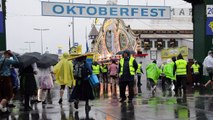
{"points": [[47, 60], [121, 52], [29, 58]]}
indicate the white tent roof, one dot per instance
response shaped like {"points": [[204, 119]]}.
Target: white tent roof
{"points": [[176, 23]]}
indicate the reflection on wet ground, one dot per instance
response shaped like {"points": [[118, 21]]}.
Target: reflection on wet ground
{"points": [[197, 104]]}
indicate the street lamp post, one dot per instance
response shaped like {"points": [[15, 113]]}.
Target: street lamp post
{"points": [[41, 29], [29, 42], [73, 27]]}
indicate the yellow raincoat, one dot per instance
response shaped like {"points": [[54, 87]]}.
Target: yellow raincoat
{"points": [[64, 71]]}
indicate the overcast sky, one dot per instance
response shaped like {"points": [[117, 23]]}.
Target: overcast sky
{"points": [[25, 15]]}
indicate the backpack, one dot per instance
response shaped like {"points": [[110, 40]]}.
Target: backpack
{"points": [[80, 70]]}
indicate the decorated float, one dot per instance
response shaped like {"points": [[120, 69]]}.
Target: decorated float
{"points": [[113, 38]]}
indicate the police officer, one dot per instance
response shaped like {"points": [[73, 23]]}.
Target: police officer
{"points": [[96, 71], [196, 74], [104, 71], [139, 72], [127, 69], [180, 68]]}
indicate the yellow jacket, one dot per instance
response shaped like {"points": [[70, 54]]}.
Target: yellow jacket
{"points": [[63, 71]]}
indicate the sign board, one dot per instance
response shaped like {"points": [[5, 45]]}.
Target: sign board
{"points": [[181, 12], [153, 54], [105, 11], [209, 10], [169, 53], [75, 44], [209, 26]]}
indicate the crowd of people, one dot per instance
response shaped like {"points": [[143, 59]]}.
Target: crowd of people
{"points": [[36, 82]]}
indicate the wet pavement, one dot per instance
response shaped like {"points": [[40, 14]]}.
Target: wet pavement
{"points": [[196, 105]]}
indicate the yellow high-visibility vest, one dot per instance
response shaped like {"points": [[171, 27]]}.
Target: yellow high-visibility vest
{"points": [[96, 69], [139, 69], [195, 68], [104, 69], [181, 67], [131, 68]]}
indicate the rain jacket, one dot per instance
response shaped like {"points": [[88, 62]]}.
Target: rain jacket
{"points": [[5, 71], [153, 72], [168, 71], [207, 63], [64, 71]]}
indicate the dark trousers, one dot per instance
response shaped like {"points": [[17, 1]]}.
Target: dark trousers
{"points": [[196, 78], [166, 82], [105, 77], [105, 81], [163, 78], [97, 89], [6, 89], [181, 83], [122, 85], [151, 82], [139, 80], [26, 101]]}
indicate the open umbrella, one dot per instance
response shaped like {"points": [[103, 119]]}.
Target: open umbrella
{"points": [[29, 58], [121, 52], [47, 60]]}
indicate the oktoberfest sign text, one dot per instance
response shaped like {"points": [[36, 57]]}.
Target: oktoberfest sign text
{"points": [[104, 11]]}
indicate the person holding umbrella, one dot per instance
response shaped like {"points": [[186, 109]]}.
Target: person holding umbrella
{"points": [[45, 81], [28, 84], [27, 70], [127, 68], [6, 89], [63, 71], [44, 76], [83, 90]]}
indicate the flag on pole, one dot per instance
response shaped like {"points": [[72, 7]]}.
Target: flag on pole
{"points": [[96, 21], [69, 43], [87, 47]]}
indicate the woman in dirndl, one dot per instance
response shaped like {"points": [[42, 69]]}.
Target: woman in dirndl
{"points": [[45, 82]]}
